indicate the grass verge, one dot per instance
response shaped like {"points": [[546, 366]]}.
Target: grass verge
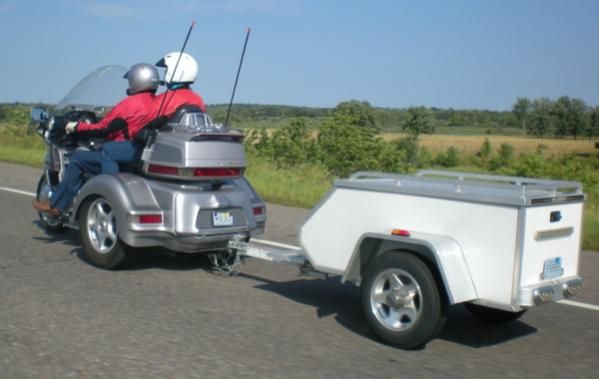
{"points": [[299, 186], [590, 232], [23, 149]]}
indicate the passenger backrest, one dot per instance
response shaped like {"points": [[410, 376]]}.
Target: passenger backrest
{"points": [[190, 118], [182, 111]]}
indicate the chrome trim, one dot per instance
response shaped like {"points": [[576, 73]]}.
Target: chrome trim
{"points": [[572, 288], [549, 292], [518, 257]]}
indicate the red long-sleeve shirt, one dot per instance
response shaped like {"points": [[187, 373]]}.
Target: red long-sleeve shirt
{"points": [[136, 110], [175, 99]]}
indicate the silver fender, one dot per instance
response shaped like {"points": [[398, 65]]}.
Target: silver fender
{"points": [[442, 252], [126, 192]]}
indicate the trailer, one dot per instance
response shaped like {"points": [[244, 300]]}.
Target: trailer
{"points": [[417, 244]]}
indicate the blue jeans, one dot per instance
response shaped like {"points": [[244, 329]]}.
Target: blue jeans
{"points": [[116, 152], [81, 162]]}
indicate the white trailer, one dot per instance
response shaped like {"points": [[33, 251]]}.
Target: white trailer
{"points": [[417, 244]]}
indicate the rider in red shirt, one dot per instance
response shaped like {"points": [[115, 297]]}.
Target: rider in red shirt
{"points": [[120, 125], [178, 77], [134, 110]]}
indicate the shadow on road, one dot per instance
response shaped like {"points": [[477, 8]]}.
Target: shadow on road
{"points": [[68, 236], [464, 329], [139, 259], [156, 258], [330, 297], [149, 258]]}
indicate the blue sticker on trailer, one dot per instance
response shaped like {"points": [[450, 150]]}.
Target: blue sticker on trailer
{"points": [[552, 268]]}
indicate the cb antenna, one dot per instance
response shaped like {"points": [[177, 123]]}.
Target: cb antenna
{"points": [[247, 36], [193, 23]]}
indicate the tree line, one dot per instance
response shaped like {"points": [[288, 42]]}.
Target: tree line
{"points": [[543, 117], [386, 119], [562, 118]]}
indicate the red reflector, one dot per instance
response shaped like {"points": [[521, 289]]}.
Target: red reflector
{"points": [[258, 211], [400, 232], [150, 219], [165, 170], [217, 171]]}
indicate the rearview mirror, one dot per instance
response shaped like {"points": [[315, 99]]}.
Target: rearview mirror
{"points": [[39, 115]]}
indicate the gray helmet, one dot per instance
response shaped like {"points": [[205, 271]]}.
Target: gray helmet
{"points": [[142, 77]]}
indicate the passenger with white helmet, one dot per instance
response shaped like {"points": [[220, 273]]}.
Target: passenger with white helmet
{"points": [[181, 71], [120, 125]]}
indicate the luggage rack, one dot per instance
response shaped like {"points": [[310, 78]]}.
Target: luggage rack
{"points": [[493, 189]]}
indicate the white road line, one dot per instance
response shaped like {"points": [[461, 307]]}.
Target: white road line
{"points": [[579, 304], [292, 247], [17, 191]]}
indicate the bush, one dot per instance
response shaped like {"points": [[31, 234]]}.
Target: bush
{"points": [[568, 168], [504, 158], [450, 158], [289, 145], [344, 148], [485, 150], [410, 150]]}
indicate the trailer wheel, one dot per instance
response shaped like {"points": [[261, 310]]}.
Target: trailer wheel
{"points": [[401, 300], [492, 315], [97, 227], [49, 222]]}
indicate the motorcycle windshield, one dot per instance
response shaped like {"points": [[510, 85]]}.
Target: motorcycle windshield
{"points": [[101, 88]]}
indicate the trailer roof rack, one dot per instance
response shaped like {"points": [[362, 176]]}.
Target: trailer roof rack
{"points": [[492, 189]]}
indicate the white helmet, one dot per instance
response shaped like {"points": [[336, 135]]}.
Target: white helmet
{"points": [[186, 71]]}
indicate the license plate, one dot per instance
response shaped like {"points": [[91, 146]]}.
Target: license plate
{"points": [[552, 268], [222, 218]]}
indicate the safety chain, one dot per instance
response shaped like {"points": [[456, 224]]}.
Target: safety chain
{"points": [[226, 263]]}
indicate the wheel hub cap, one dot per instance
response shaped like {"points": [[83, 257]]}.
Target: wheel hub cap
{"points": [[101, 226], [396, 299]]}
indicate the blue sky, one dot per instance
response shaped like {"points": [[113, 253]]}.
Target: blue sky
{"points": [[462, 54]]}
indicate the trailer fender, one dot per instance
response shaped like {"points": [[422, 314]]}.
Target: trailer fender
{"points": [[443, 253], [126, 193]]}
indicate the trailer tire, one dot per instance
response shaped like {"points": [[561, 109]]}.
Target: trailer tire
{"points": [[98, 231], [492, 315], [401, 300]]}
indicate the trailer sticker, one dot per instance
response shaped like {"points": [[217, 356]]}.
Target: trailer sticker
{"points": [[552, 268]]}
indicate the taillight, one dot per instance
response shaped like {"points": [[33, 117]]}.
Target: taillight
{"points": [[191, 172], [258, 211], [164, 170], [150, 219], [217, 171], [400, 232]]}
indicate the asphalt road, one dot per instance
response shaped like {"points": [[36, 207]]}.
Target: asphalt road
{"points": [[172, 318]]}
